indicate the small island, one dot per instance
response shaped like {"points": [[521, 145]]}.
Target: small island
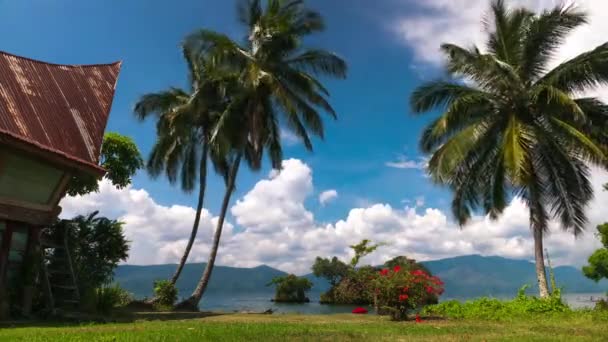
{"points": [[291, 289]]}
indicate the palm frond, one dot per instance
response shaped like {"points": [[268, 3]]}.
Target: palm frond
{"points": [[545, 35], [319, 62], [581, 73]]}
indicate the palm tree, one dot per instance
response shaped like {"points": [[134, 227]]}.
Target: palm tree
{"points": [[512, 127], [185, 119], [277, 84]]}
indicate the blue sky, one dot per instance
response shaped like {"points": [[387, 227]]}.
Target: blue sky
{"points": [[373, 127], [391, 47]]}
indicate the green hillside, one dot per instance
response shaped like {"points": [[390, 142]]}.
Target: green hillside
{"points": [[465, 276]]}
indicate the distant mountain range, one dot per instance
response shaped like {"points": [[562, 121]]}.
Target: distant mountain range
{"points": [[464, 277]]}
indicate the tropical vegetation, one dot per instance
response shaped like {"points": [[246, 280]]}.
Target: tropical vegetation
{"points": [[276, 84], [120, 157], [397, 291], [513, 126], [597, 268], [291, 289], [396, 288], [185, 119]]}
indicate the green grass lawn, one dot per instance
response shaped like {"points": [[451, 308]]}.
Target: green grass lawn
{"points": [[244, 327]]}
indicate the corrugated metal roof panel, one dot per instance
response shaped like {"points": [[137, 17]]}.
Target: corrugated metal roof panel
{"points": [[61, 109]]}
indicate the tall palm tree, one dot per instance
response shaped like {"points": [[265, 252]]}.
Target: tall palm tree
{"points": [[277, 85], [512, 127], [185, 119]]}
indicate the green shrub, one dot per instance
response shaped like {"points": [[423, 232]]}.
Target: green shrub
{"points": [[495, 309], [165, 293], [108, 298]]}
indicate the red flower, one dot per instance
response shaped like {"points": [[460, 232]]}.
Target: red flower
{"points": [[384, 272], [429, 289], [418, 319], [359, 311], [403, 297], [419, 273], [396, 268], [405, 289]]}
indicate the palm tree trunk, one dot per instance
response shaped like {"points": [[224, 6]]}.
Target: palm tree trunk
{"points": [[540, 263], [197, 219], [191, 304]]}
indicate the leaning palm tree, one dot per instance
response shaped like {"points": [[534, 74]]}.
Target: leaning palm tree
{"points": [[182, 148], [512, 127], [276, 84]]}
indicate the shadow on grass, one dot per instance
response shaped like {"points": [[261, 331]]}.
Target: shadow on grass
{"points": [[123, 316]]}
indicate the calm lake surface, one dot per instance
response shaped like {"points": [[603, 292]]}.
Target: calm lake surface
{"points": [[250, 302]]}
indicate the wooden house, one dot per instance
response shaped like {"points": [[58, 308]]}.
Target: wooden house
{"points": [[52, 122]]}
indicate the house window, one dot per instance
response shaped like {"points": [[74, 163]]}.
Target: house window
{"points": [[27, 180]]}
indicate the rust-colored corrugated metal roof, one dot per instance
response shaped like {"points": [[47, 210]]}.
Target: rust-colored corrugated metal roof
{"points": [[60, 110]]}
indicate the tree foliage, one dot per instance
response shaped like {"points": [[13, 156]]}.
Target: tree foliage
{"points": [[333, 270], [97, 245], [291, 288], [277, 83], [362, 249], [120, 157], [598, 261], [517, 127]]}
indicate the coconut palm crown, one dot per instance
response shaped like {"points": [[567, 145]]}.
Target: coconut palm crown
{"points": [[512, 126]]}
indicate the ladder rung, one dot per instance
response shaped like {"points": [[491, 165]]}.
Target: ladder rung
{"points": [[68, 301], [59, 272], [64, 287]]}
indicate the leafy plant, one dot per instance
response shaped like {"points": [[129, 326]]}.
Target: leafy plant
{"points": [[397, 290], [97, 245], [495, 309], [165, 293], [108, 298]]}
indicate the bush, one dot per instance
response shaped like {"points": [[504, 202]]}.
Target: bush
{"points": [[495, 309], [398, 290], [291, 288], [108, 298], [165, 293], [354, 288]]}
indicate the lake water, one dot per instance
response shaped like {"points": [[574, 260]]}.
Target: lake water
{"points": [[261, 302]]}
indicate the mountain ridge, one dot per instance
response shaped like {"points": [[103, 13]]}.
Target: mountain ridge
{"points": [[464, 276]]}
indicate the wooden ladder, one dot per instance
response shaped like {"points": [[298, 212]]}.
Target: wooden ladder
{"points": [[59, 280]]}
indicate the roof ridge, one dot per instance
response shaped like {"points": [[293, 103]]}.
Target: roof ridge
{"points": [[119, 62]]}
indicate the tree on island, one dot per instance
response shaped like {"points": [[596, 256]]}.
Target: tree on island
{"points": [[515, 127], [291, 289], [277, 82]]}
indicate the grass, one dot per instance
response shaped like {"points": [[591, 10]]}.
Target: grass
{"points": [[247, 327]]}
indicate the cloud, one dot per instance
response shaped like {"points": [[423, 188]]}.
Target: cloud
{"points": [[459, 21], [288, 138], [327, 196], [158, 234], [405, 163], [275, 227]]}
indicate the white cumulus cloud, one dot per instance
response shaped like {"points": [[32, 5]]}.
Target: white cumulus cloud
{"points": [[327, 196], [275, 227]]}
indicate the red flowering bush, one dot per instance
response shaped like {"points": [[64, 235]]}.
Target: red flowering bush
{"points": [[398, 290]]}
